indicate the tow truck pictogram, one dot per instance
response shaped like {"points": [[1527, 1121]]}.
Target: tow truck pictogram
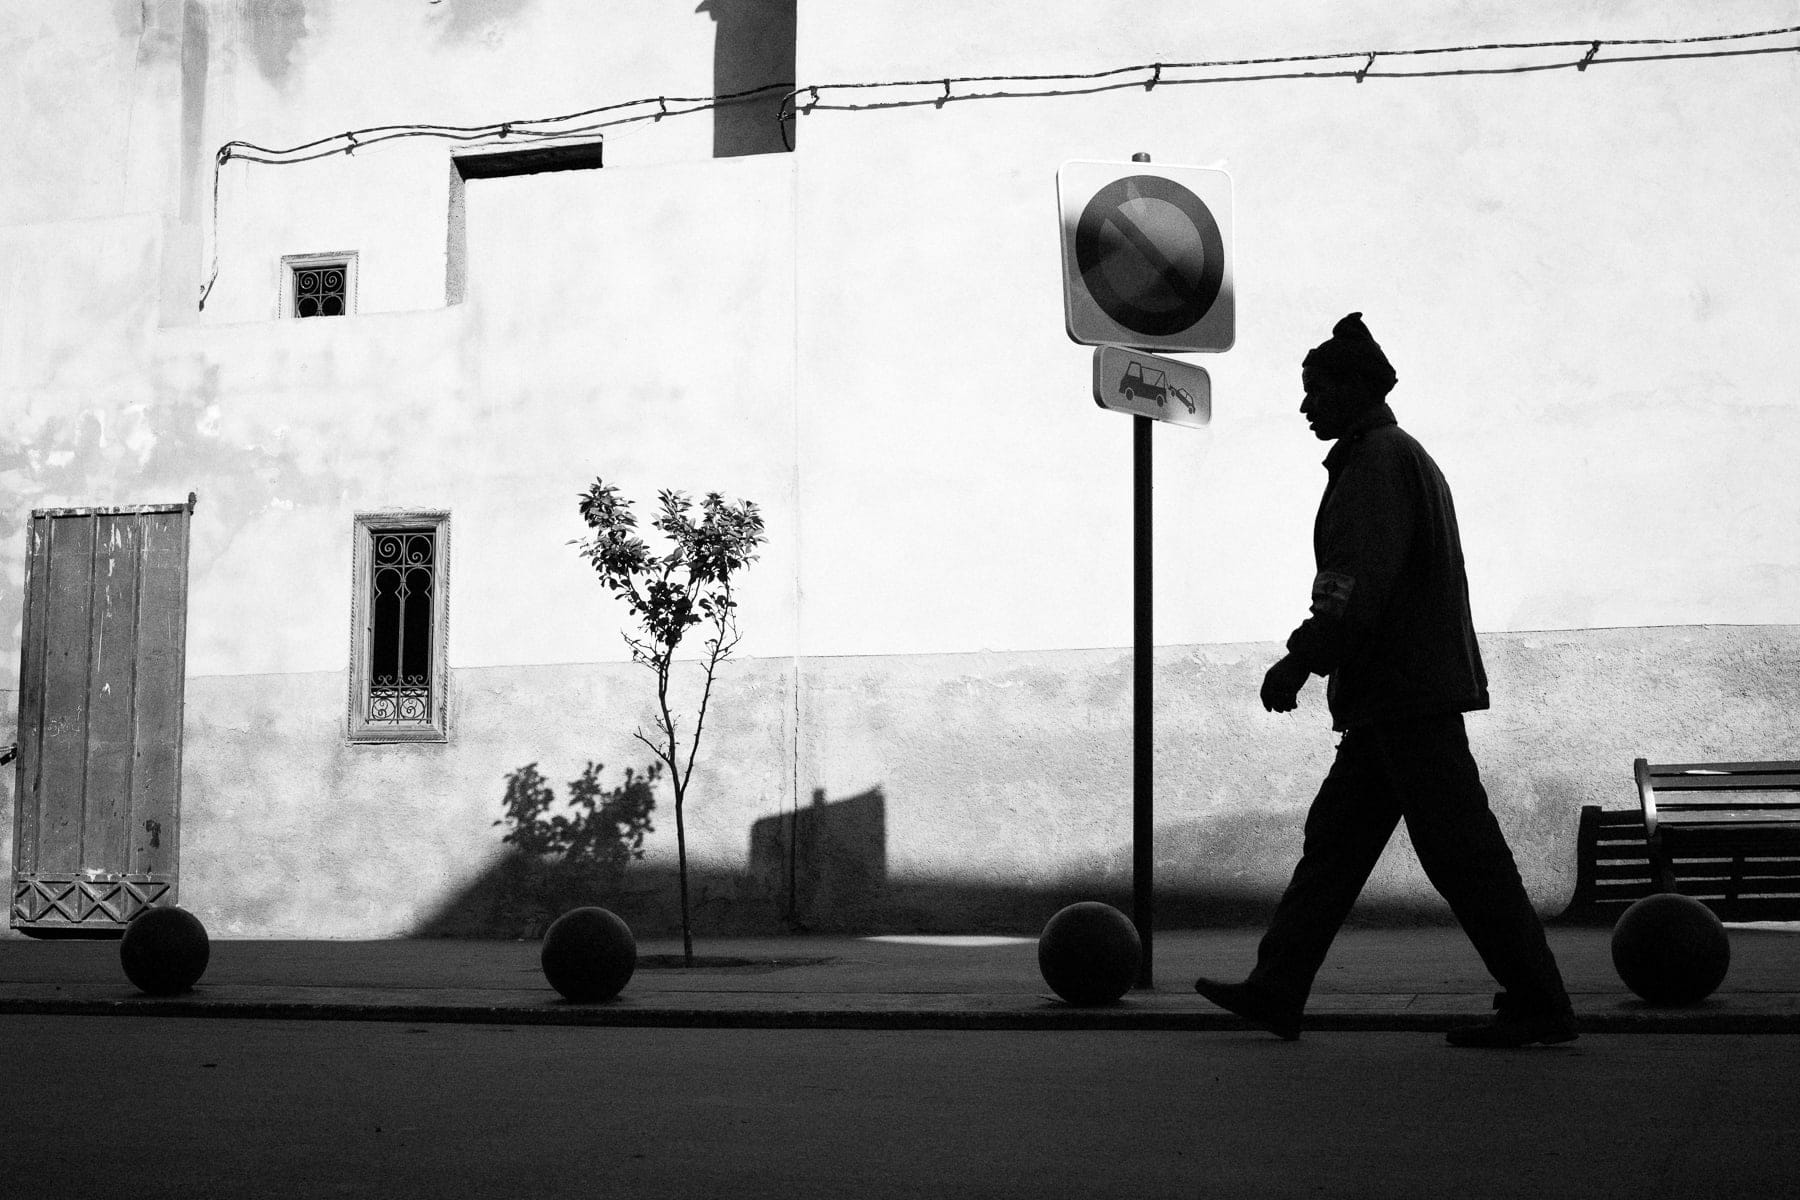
{"points": [[1153, 384]]}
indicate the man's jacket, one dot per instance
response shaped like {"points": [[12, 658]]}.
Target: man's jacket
{"points": [[1390, 620]]}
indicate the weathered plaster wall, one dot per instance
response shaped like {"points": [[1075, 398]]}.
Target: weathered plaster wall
{"points": [[470, 63], [1580, 276], [1581, 279], [1014, 770], [330, 840], [92, 95], [873, 322], [285, 429], [1004, 781], [634, 322]]}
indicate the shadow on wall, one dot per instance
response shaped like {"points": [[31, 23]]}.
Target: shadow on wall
{"points": [[823, 869], [827, 864], [753, 47]]}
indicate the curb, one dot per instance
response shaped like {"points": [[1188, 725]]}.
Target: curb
{"points": [[1052, 1018]]}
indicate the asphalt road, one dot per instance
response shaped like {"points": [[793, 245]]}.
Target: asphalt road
{"points": [[153, 1107]]}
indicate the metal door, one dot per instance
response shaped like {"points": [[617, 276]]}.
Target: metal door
{"points": [[96, 815]]}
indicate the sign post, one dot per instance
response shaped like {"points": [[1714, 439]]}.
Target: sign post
{"points": [[1146, 267], [1143, 708]]}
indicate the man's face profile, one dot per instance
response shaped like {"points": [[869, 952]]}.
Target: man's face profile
{"points": [[1329, 404]]}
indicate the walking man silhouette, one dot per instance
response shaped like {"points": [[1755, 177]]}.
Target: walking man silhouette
{"points": [[1391, 631]]}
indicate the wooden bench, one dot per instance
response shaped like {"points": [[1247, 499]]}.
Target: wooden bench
{"points": [[1612, 866], [1725, 833]]}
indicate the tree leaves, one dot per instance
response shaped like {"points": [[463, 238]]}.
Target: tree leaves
{"points": [[690, 582]]}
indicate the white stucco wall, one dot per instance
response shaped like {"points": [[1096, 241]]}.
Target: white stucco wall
{"points": [[634, 322], [1582, 279]]}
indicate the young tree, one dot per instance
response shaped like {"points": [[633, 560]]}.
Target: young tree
{"points": [[667, 595]]}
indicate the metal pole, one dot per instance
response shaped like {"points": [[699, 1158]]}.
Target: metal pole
{"points": [[1143, 823], [1143, 826]]}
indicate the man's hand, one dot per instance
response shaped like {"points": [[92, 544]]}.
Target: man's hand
{"points": [[1281, 686]]}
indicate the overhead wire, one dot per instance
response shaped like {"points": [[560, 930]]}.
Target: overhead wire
{"points": [[1358, 65], [523, 131], [1161, 74]]}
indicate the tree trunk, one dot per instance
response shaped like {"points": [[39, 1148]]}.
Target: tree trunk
{"points": [[687, 932]]}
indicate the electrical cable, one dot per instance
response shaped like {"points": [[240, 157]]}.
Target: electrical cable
{"points": [[524, 131], [1356, 65], [1108, 79]]}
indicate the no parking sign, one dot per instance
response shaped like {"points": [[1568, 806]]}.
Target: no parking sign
{"points": [[1146, 256]]}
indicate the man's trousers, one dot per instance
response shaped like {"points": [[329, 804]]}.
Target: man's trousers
{"points": [[1419, 770]]}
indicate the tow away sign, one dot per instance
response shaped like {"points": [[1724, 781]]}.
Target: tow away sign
{"points": [[1149, 385]]}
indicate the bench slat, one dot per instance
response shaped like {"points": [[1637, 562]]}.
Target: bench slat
{"points": [[1772, 869], [1727, 815], [1783, 839], [1688, 854], [1730, 768], [1641, 878], [1784, 782], [1597, 818]]}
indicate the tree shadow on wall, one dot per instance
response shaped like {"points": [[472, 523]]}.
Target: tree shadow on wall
{"points": [[822, 868], [559, 854]]}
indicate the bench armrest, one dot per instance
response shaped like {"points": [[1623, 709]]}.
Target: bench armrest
{"points": [[1646, 796]]}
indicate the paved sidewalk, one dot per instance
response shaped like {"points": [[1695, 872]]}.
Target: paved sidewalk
{"points": [[1422, 979]]}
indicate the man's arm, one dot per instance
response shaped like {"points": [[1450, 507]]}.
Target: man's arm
{"points": [[1364, 535], [1281, 686]]}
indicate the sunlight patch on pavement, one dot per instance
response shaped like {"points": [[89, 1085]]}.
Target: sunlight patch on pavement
{"points": [[971, 940]]}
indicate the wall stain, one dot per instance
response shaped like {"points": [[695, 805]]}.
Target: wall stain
{"points": [[273, 30], [195, 59], [144, 22], [239, 478], [468, 20], [151, 452]]}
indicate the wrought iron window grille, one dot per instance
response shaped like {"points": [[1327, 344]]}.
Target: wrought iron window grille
{"points": [[401, 595], [318, 285], [398, 677]]}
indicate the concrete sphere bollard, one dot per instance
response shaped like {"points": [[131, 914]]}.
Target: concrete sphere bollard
{"points": [[1670, 949], [589, 954], [1089, 953], [164, 950]]}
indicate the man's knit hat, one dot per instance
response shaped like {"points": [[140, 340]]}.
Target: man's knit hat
{"points": [[1351, 352]]}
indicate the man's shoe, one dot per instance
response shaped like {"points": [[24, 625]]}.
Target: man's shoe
{"points": [[1509, 1029], [1255, 1005]]}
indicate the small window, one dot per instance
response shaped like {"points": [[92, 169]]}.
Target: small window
{"points": [[398, 675], [318, 285]]}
